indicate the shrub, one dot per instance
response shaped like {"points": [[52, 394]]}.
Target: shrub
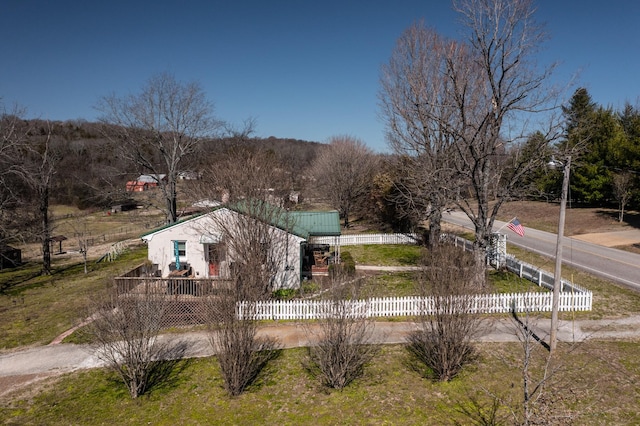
{"points": [[346, 267], [285, 293]]}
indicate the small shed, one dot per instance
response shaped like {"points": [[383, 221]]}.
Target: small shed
{"points": [[58, 239], [10, 257]]}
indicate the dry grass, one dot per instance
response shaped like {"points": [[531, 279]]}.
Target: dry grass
{"points": [[579, 220]]}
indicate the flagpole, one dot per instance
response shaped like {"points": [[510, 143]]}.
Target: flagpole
{"points": [[506, 223]]}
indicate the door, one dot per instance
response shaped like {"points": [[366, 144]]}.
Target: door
{"points": [[216, 255]]}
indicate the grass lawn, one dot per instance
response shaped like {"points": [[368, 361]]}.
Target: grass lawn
{"points": [[598, 383], [385, 254], [36, 309], [389, 392]]}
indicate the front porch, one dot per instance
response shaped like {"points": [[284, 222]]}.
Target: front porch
{"points": [[144, 279], [186, 303]]}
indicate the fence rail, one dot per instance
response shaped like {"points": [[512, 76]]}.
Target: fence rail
{"points": [[360, 239], [197, 287], [412, 306], [539, 276]]}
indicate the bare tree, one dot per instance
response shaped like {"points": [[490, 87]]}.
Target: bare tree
{"points": [[83, 236], [447, 324], [497, 89], [344, 173], [125, 330], [12, 132], [241, 353], [251, 247], [159, 128], [622, 185], [244, 172], [40, 156], [253, 240], [341, 341], [475, 98], [413, 96]]}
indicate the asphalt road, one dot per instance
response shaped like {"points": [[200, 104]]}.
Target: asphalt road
{"points": [[609, 263]]}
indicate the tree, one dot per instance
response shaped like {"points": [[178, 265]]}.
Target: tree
{"points": [[158, 129], [622, 183], [447, 323], [125, 330], [384, 205], [477, 100], [341, 343], [40, 156], [254, 254], [12, 132], [414, 92], [254, 250], [496, 92], [343, 174]]}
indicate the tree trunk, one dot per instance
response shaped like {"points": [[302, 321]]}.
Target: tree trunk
{"points": [[435, 228], [172, 201], [46, 231]]}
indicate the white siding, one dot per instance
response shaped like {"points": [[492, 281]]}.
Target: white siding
{"points": [[160, 245]]}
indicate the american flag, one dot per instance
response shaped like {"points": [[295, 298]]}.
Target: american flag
{"points": [[516, 227]]}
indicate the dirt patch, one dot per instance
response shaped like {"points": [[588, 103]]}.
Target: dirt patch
{"points": [[612, 239], [31, 383]]}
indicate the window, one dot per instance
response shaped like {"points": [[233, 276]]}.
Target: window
{"points": [[180, 248]]}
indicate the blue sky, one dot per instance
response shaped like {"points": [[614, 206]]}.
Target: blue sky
{"points": [[303, 69]]}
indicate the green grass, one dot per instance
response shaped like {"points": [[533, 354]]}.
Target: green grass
{"points": [[37, 310], [389, 392], [507, 282], [610, 300], [390, 284], [385, 254]]}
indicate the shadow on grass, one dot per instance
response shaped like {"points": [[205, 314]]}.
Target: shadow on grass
{"points": [[164, 374], [631, 218], [265, 370]]}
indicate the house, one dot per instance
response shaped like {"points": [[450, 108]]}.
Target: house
{"points": [[196, 247], [145, 182]]}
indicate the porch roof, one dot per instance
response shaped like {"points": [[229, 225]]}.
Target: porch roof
{"points": [[319, 224]]}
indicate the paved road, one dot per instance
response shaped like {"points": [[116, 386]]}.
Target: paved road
{"points": [[615, 265]]}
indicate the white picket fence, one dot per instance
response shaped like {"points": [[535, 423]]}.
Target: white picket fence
{"points": [[412, 306], [572, 297], [363, 239]]}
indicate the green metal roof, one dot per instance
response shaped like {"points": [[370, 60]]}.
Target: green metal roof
{"points": [[304, 224], [319, 224]]}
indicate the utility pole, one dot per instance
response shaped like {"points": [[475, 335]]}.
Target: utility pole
{"points": [[557, 279]]}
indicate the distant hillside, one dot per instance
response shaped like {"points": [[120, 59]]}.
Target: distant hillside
{"points": [[92, 172]]}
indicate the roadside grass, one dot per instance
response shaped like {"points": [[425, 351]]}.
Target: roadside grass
{"points": [[610, 300], [389, 392], [36, 310], [579, 220]]}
